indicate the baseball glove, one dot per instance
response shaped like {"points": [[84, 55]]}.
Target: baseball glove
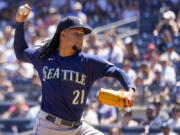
{"points": [[115, 98]]}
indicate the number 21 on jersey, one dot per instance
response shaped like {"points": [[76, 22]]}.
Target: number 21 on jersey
{"points": [[78, 97]]}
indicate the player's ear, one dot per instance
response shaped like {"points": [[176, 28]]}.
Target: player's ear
{"points": [[62, 34]]}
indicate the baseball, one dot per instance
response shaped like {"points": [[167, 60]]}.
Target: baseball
{"points": [[23, 10]]}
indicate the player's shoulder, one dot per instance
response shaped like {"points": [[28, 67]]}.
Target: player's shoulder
{"points": [[35, 48], [90, 56], [94, 58], [39, 45]]}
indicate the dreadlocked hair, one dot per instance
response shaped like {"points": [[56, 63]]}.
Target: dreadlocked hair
{"points": [[50, 46]]}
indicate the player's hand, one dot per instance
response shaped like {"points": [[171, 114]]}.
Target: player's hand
{"points": [[23, 12], [130, 97]]}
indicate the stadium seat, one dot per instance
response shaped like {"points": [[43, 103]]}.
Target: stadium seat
{"points": [[177, 130], [133, 130], [154, 130], [10, 123]]}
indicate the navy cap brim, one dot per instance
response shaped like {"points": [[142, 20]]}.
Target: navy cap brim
{"points": [[87, 30]]}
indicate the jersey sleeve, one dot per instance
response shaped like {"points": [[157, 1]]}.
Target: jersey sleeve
{"points": [[101, 68], [22, 51]]}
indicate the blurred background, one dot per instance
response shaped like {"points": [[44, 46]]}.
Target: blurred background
{"points": [[140, 36]]}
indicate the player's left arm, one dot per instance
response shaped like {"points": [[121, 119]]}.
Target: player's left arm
{"points": [[20, 44], [101, 68], [124, 98]]}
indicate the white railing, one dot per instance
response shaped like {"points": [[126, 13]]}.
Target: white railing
{"points": [[128, 33], [117, 24]]}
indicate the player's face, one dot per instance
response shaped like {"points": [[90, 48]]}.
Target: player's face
{"points": [[73, 37]]}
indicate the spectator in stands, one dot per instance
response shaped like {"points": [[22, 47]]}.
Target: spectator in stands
{"points": [[161, 109], [59, 4], [77, 11], [166, 39], [165, 94], [130, 10], [151, 119], [115, 131], [158, 80], [175, 5], [90, 114], [151, 49], [174, 121], [90, 7], [167, 23], [6, 87], [3, 4], [176, 93], [178, 21], [114, 54], [103, 8], [35, 88], [42, 34], [3, 59], [93, 44], [166, 130], [141, 87], [128, 69], [107, 114], [24, 71], [32, 113], [127, 120], [2, 40], [114, 10], [18, 109], [152, 55], [168, 71], [145, 73], [171, 53], [53, 19], [8, 33], [157, 85], [35, 80], [131, 50], [149, 6], [7, 90]]}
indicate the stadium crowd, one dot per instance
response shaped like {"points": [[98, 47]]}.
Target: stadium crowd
{"points": [[151, 58]]}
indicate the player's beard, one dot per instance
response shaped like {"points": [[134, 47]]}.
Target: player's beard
{"points": [[76, 49]]}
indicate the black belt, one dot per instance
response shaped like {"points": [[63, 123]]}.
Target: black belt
{"points": [[53, 119]]}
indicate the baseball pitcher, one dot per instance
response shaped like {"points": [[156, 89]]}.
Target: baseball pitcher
{"points": [[66, 75]]}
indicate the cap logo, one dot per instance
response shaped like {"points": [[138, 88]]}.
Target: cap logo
{"points": [[80, 21]]}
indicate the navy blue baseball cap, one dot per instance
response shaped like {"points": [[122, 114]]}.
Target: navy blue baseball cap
{"points": [[69, 22], [73, 22]]}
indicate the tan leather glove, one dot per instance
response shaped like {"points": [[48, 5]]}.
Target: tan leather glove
{"points": [[120, 98]]}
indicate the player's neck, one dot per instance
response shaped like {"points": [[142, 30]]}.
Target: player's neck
{"points": [[64, 51]]}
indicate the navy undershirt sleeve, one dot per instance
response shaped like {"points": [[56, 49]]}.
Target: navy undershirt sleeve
{"points": [[20, 44], [22, 51]]}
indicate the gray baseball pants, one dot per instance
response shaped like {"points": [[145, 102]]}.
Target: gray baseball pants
{"points": [[45, 127]]}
